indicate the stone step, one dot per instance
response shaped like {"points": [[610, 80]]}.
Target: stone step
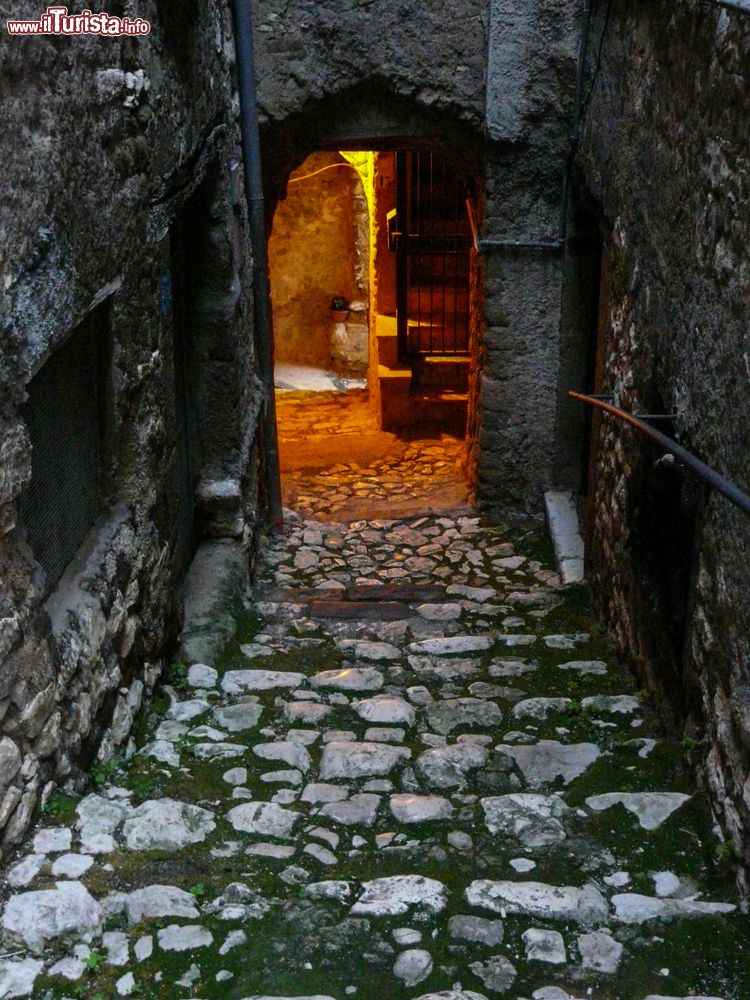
{"points": [[370, 610]]}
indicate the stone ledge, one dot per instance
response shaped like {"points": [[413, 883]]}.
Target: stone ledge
{"points": [[562, 517]]}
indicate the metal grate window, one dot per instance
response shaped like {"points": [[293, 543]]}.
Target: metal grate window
{"points": [[65, 418]]}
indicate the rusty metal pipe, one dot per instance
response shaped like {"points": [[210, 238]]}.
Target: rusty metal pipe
{"points": [[732, 493]]}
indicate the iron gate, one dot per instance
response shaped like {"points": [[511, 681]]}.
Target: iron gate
{"points": [[433, 246]]}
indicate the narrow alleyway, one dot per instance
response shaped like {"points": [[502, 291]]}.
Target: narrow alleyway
{"points": [[417, 772]]}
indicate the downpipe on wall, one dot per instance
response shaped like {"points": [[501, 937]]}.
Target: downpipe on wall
{"points": [[250, 135]]}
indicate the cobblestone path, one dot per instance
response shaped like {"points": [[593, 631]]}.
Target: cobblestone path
{"points": [[418, 772]]}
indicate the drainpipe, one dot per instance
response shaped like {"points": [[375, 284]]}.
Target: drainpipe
{"points": [[555, 246], [243, 44]]}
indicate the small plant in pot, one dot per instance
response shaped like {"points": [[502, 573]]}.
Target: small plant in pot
{"points": [[339, 310]]}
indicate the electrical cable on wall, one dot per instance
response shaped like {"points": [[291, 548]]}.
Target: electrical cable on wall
{"points": [[331, 166]]}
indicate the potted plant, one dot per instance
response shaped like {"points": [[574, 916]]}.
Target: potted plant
{"points": [[339, 310]]}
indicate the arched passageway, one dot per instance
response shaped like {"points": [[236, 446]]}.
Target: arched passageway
{"points": [[370, 212]]}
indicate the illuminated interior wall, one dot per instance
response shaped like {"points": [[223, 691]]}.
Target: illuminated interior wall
{"points": [[320, 248]]}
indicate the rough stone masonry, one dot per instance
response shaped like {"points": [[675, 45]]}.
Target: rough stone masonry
{"points": [[123, 220]]}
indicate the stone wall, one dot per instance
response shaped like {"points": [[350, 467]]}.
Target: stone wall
{"points": [[492, 84], [318, 250], [530, 107], [667, 119], [119, 191]]}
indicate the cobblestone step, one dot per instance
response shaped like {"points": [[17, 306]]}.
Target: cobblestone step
{"points": [[438, 786]]}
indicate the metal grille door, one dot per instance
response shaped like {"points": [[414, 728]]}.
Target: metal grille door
{"points": [[433, 257], [64, 418]]}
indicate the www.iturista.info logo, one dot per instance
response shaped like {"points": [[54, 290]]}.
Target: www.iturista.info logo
{"points": [[57, 21]]}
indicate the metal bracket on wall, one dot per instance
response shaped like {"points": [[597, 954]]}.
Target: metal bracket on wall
{"points": [[740, 6]]}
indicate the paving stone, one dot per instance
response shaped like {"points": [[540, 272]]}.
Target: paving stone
{"points": [[439, 612], [420, 808], [176, 937], [544, 762], [651, 809], [385, 708], [666, 883], [480, 594], [456, 713], [26, 870], [452, 645], [566, 641], [290, 753], [395, 895], [200, 675], [166, 825], [324, 792], [321, 854], [544, 946], [405, 936], [161, 750], [363, 649], [338, 890], [535, 820], [620, 704], [153, 902], [510, 668], [235, 776], [265, 818], [450, 766], [600, 952], [309, 712], [584, 905], [71, 865], [238, 718], [540, 708], [497, 973], [17, 976], [632, 908], [185, 711], [453, 995], [53, 840], [74, 966], [280, 852], [285, 776], [446, 671], [522, 864], [241, 681], [115, 943], [593, 668], [169, 731], [36, 918], [413, 966], [379, 734], [207, 733], [359, 810], [349, 679], [477, 930], [218, 751], [359, 760]]}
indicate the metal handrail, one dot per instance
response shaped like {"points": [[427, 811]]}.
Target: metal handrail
{"points": [[709, 475]]}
